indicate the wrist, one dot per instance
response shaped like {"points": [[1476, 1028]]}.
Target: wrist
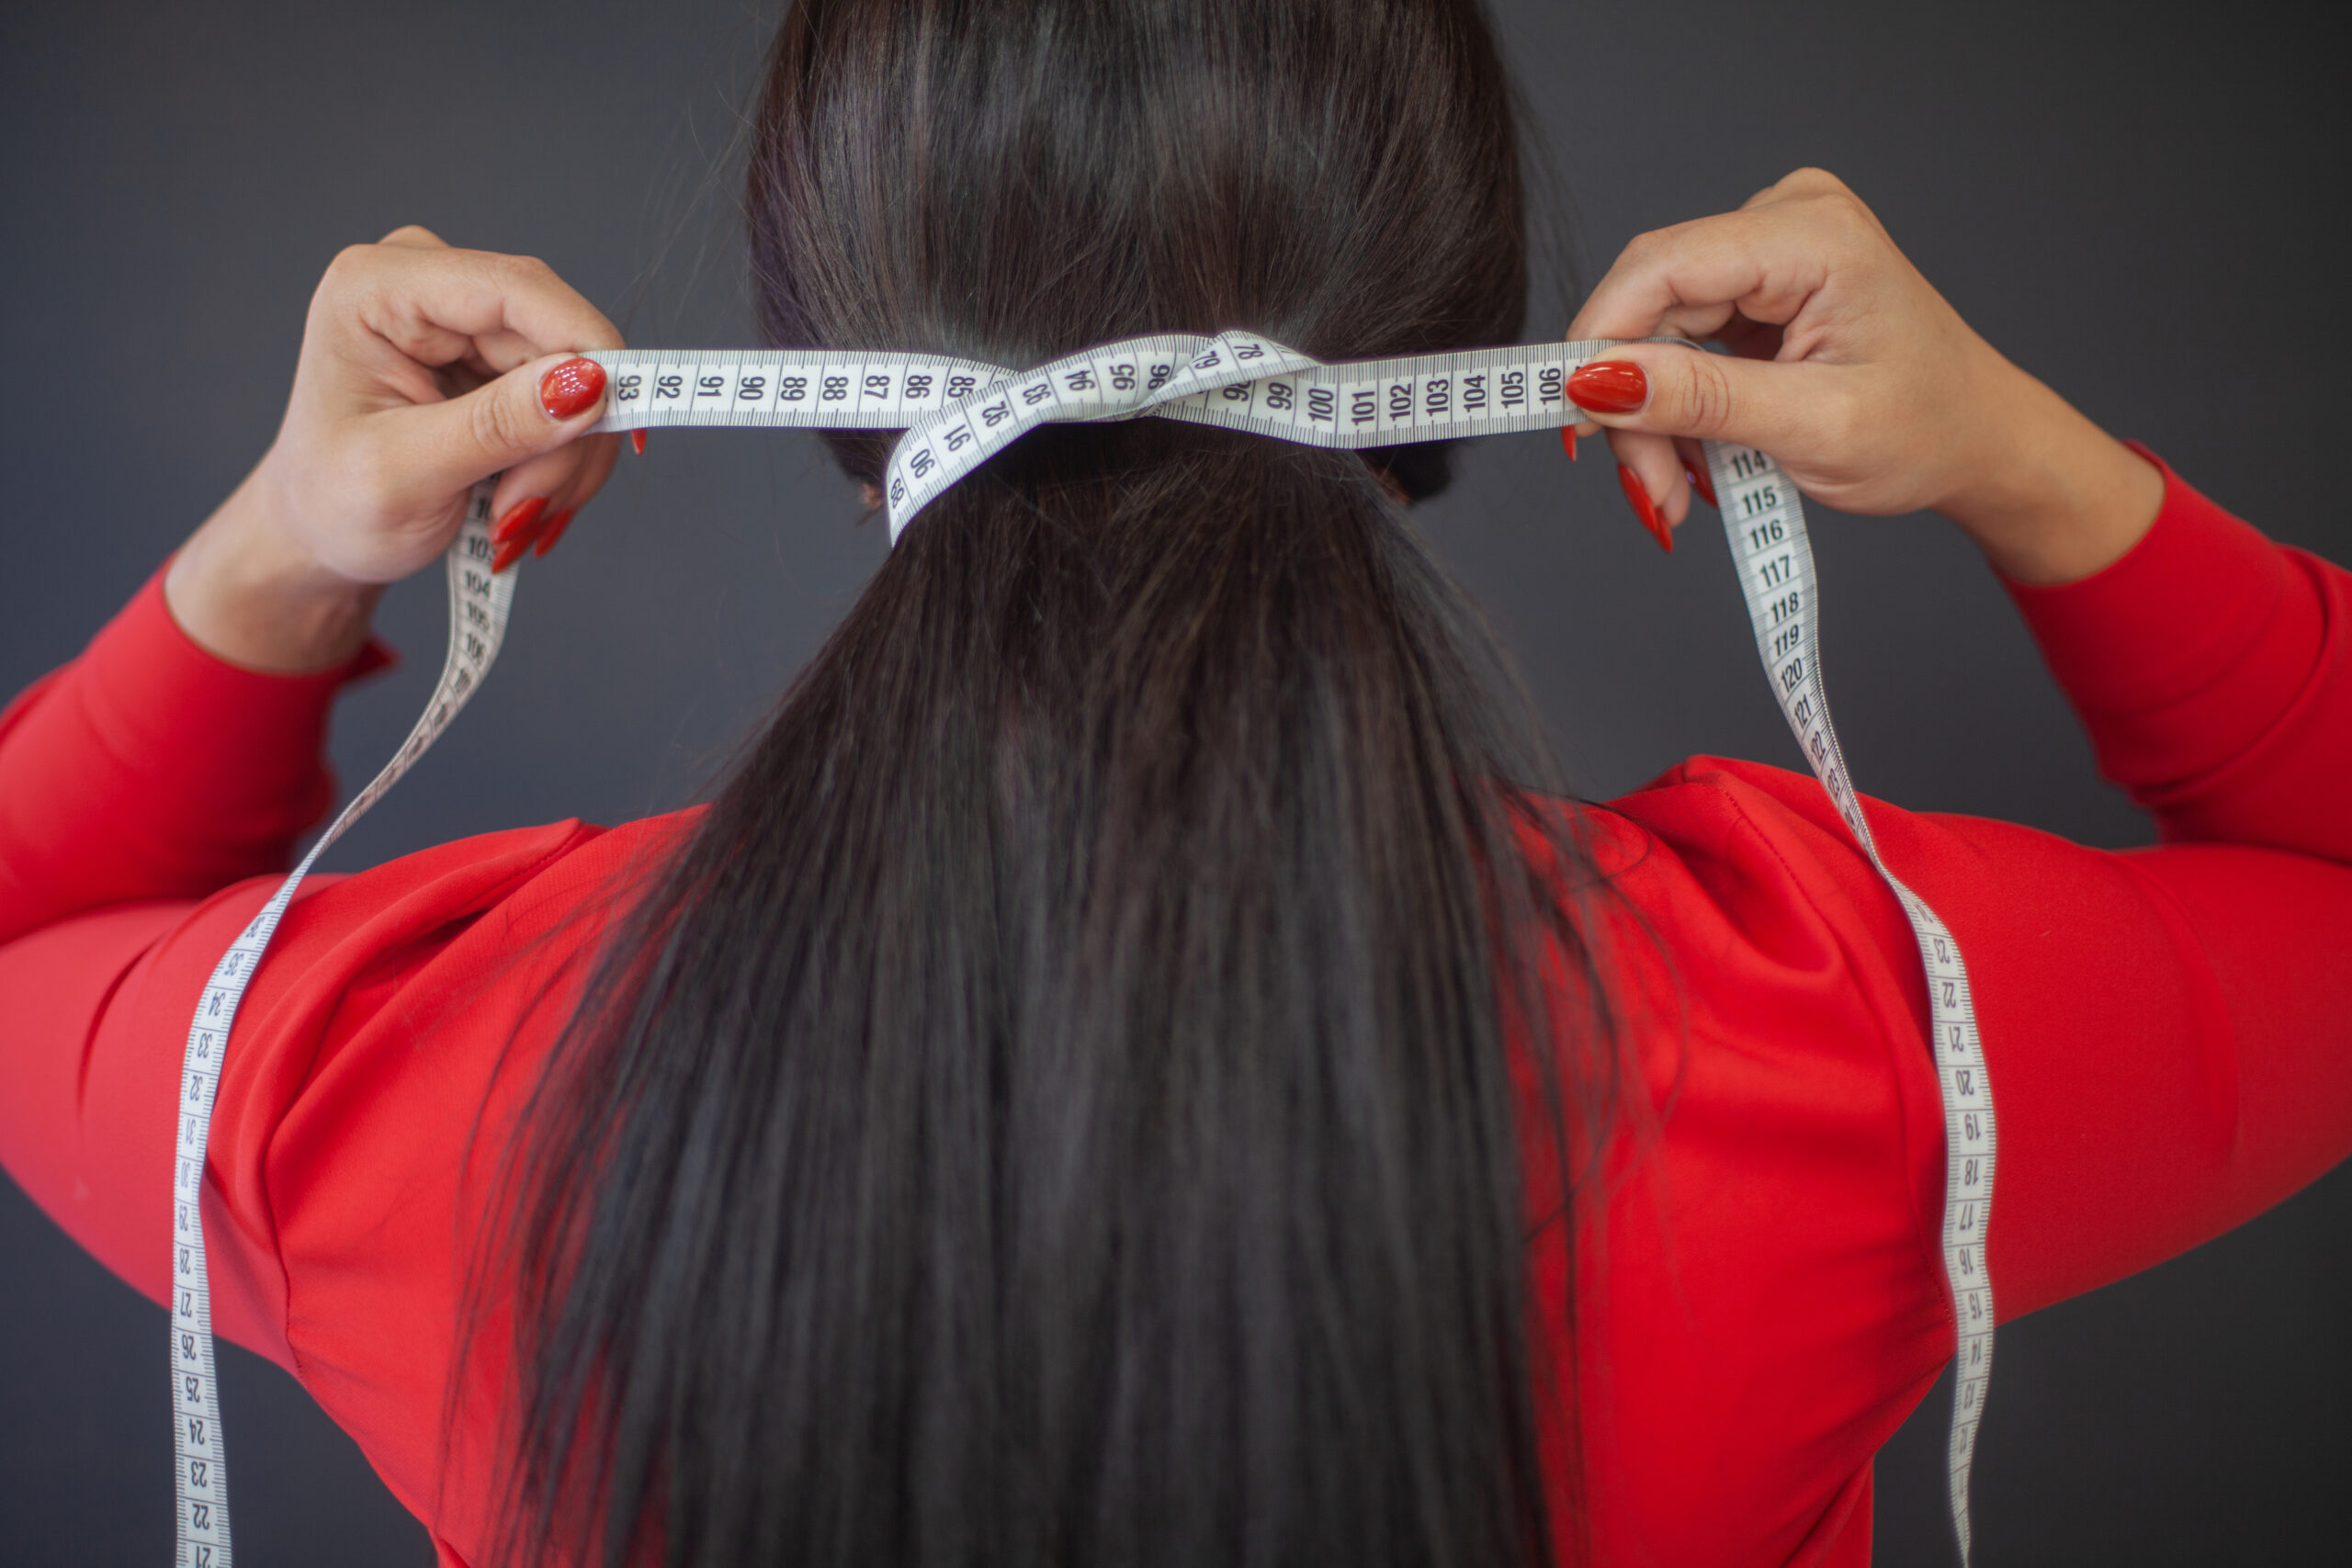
{"points": [[2052, 497], [246, 589]]}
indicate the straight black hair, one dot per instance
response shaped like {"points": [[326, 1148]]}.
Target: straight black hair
{"points": [[1074, 1099]]}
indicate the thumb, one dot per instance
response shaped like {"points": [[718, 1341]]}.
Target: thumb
{"points": [[533, 409], [1659, 387]]}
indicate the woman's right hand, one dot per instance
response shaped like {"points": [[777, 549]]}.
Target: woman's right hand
{"points": [[1857, 376], [423, 370]]}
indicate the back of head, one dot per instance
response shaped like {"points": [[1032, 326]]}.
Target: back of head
{"points": [[1057, 1109], [1018, 179]]}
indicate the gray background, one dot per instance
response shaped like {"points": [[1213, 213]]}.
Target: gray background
{"points": [[2145, 206]]}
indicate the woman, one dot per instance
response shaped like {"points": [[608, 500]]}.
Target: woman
{"points": [[1139, 1061]]}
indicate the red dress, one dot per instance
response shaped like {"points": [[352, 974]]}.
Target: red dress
{"points": [[1762, 1300]]}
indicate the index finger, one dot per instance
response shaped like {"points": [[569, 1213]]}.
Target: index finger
{"points": [[510, 309], [1690, 279]]}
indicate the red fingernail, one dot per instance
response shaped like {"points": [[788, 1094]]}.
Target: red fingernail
{"points": [[572, 389], [508, 554], [1698, 478], [1645, 508], [1568, 440], [553, 531], [515, 526], [636, 441], [1609, 386]]}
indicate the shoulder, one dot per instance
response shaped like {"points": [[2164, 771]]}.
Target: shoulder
{"points": [[1768, 976], [438, 974], [530, 877], [389, 1046], [1717, 843], [1737, 903], [1764, 1250]]}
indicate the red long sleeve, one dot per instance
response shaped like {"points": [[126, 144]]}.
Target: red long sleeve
{"points": [[139, 771], [2210, 668], [1761, 1301]]}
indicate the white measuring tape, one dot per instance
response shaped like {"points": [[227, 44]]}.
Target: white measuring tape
{"points": [[1765, 522], [956, 415], [478, 606]]}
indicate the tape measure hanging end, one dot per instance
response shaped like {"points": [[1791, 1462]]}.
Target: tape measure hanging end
{"points": [[1764, 522], [478, 604]]}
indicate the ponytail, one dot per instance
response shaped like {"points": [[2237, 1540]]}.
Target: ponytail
{"points": [[1071, 1099]]}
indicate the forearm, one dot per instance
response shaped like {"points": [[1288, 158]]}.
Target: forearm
{"points": [[246, 590], [2050, 497]]}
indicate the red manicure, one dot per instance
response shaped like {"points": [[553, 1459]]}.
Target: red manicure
{"points": [[553, 531], [636, 441], [1609, 386], [1568, 440], [1645, 508], [572, 389], [1698, 478], [508, 554], [515, 526]]}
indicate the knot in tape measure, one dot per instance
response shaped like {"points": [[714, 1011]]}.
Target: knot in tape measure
{"points": [[957, 413]]}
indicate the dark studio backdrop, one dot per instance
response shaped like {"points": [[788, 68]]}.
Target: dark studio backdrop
{"points": [[2144, 206]]}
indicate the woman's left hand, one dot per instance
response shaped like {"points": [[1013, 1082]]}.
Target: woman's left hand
{"points": [[424, 370]]}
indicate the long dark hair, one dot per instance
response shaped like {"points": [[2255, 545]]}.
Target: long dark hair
{"points": [[1072, 1101]]}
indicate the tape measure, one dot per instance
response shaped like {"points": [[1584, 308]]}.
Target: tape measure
{"points": [[957, 413], [478, 606], [1765, 523]]}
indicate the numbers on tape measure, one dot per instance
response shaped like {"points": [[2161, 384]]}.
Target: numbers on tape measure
{"points": [[1764, 522]]}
